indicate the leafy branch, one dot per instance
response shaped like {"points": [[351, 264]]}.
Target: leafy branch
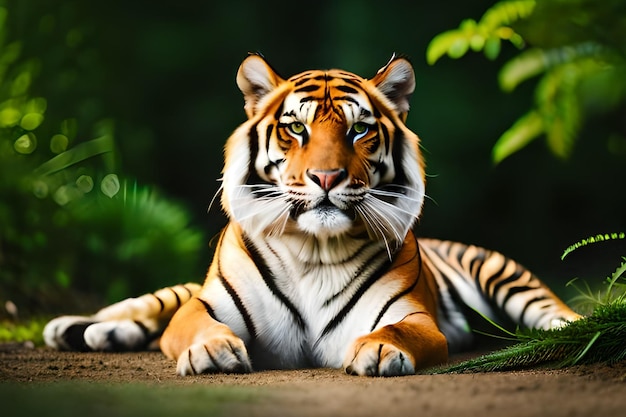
{"points": [[582, 67]]}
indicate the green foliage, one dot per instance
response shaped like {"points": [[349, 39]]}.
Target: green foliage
{"points": [[581, 61], [593, 239], [29, 331], [599, 337], [68, 219], [485, 35], [615, 293]]}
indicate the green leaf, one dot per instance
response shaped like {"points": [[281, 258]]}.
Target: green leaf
{"points": [[524, 66], [441, 44], [77, 154], [524, 130], [492, 48], [458, 48], [507, 12]]}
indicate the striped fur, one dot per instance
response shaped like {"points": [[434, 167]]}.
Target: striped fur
{"points": [[318, 266]]}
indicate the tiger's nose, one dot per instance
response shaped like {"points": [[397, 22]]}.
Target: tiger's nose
{"points": [[327, 179]]}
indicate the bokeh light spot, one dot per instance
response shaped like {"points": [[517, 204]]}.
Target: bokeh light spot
{"points": [[25, 144], [84, 183], [40, 189], [59, 143], [31, 121], [110, 185]]}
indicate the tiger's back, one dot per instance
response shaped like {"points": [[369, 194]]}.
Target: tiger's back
{"points": [[318, 265]]}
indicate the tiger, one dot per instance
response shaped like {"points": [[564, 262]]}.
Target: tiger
{"points": [[319, 265]]}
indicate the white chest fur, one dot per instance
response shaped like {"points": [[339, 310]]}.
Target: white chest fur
{"points": [[304, 301]]}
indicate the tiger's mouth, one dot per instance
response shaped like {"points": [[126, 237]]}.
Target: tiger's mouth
{"points": [[325, 206], [323, 218]]}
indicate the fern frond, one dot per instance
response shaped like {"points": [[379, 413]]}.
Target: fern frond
{"points": [[599, 338], [600, 237]]}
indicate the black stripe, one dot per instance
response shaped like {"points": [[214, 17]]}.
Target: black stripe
{"points": [[188, 291], [401, 294], [74, 336], [347, 89], [460, 253], [178, 302], [352, 81], [358, 273], [279, 111], [386, 138], [270, 282], [347, 98], [253, 176], [472, 318], [247, 318], [302, 81], [122, 345], [477, 261], [161, 304], [528, 303], [457, 300], [148, 335], [208, 308], [492, 281], [371, 280], [268, 135], [307, 89], [511, 278], [398, 157], [377, 113]]}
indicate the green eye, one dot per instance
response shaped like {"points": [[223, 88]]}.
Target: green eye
{"points": [[297, 128], [359, 128]]}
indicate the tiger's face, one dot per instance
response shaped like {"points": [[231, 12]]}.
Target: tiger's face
{"points": [[324, 154]]}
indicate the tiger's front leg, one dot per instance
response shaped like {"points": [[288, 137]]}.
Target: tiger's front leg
{"points": [[200, 344], [398, 349]]}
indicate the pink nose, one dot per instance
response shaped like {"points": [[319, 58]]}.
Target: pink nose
{"points": [[327, 179]]}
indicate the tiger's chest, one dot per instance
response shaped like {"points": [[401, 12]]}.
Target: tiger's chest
{"points": [[293, 313]]}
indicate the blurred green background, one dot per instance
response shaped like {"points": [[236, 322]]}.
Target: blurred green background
{"points": [[113, 116]]}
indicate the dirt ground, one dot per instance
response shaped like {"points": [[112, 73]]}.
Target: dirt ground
{"points": [[596, 390]]}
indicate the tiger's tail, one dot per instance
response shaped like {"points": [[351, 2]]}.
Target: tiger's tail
{"points": [[129, 325]]}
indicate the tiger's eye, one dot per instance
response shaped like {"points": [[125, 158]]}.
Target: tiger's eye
{"points": [[297, 128], [359, 128]]}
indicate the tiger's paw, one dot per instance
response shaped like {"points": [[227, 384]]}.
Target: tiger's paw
{"points": [[226, 354], [79, 333], [375, 358]]}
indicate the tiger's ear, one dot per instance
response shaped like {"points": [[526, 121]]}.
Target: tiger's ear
{"points": [[255, 79], [396, 80]]}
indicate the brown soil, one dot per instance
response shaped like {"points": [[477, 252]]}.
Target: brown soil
{"points": [[595, 390]]}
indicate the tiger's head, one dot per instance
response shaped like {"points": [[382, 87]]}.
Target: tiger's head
{"points": [[324, 154]]}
